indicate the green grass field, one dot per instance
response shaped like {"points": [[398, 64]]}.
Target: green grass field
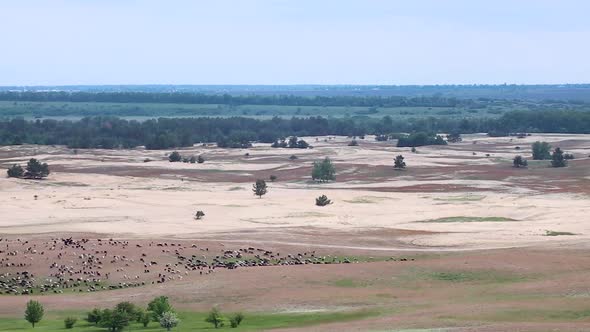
{"points": [[193, 321]]}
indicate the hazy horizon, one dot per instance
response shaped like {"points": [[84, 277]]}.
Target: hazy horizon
{"points": [[277, 42]]}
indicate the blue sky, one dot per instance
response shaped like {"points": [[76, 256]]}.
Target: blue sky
{"points": [[294, 42]]}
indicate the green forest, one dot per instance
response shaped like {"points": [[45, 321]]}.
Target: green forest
{"points": [[162, 133]]}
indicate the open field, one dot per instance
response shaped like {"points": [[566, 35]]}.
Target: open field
{"points": [[460, 240]]}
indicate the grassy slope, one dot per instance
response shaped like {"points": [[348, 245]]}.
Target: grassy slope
{"points": [[193, 322]]}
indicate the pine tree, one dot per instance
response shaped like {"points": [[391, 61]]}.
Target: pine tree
{"points": [[557, 158], [16, 171], [36, 170], [259, 188], [399, 163]]}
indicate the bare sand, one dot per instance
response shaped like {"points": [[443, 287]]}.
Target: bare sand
{"points": [[89, 192]]}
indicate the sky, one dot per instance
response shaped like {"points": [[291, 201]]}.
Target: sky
{"points": [[71, 42]]}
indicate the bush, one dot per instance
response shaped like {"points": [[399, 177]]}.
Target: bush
{"points": [[292, 157], [236, 319], [16, 171], [114, 320], [353, 143], [69, 322], [36, 170], [174, 157], [519, 161], [420, 139], [322, 201], [454, 138], [94, 316], [200, 159], [169, 320], [323, 171], [381, 138], [541, 150], [214, 317], [192, 159], [568, 156], [144, 318], [557, 158], [399, 163], [158, 306], [273, 178]]}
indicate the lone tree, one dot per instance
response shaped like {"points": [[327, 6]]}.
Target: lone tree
{"points": [[169, 320], [558, 159], [259, 188], [322, 201], [399, 163], [159, 306], [214, 317], [174, 157], [16, 171], [36, 170], [34, 312], [199, 215], [519, 161], [541, 150], [323, 171]]}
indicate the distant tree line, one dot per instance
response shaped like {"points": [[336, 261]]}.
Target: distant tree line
{"points": [[239, 132], [227, 99]]}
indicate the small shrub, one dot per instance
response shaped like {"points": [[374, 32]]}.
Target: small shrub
{"points": [[94, 316], [558, 159], [519, 161], [147, 160], [353, 143], [293, 157], [199, 215], [169, 320], [214, 317], [273, 178], [174, 157], [413, 149], [192, 160], [200, 159], [69, 322], [322, 201], [236, 320], [399, 163], [16, 171]]}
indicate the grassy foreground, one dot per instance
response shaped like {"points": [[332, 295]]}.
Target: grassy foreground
{"points": [[192, 321]]}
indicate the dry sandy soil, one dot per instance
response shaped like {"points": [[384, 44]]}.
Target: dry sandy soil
{"points": [[474, 226]]}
